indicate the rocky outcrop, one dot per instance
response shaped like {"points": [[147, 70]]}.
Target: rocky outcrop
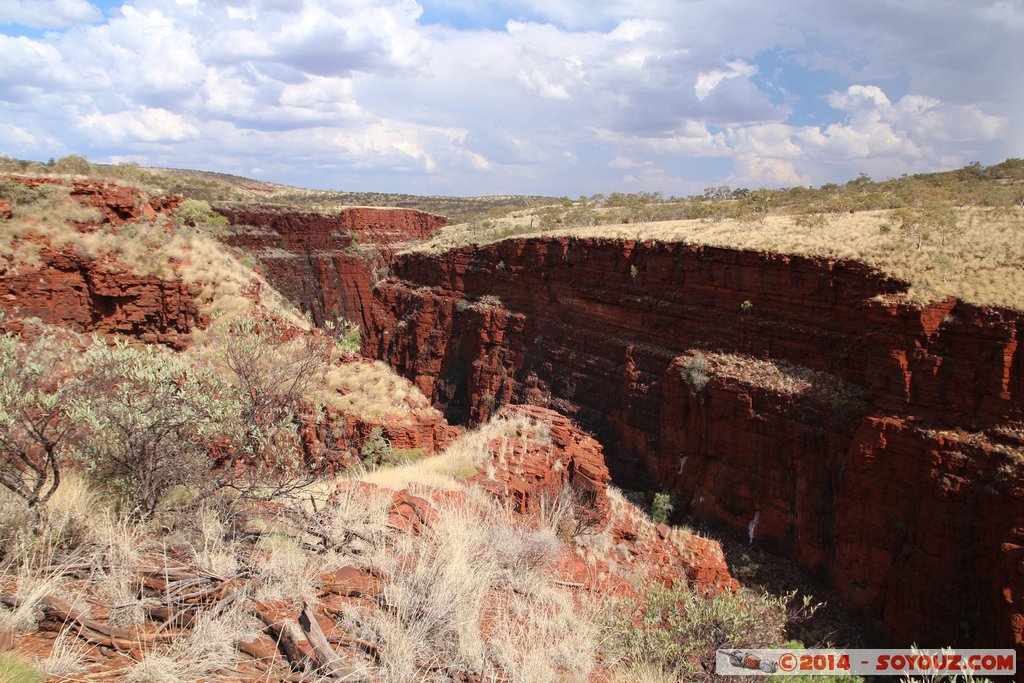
{"points": [[118, 203], [899, 483], [326, 264], [559, 472], [533, 474], [332, 441], [98, 295]]}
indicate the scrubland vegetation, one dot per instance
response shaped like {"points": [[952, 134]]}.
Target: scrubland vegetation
{"points": [[475, 591], [229, 189], [959, 233], [159, 513], [161, 518]]}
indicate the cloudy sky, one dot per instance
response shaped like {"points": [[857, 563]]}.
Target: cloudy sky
{"points": [[556, 97]]}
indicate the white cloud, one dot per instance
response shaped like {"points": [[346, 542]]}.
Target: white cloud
{"points": [[623, 162], [708, 81], [48, 13], [16, 136], [144, 125], [559, 97], [756, 171]]}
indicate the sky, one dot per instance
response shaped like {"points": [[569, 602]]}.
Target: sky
{"points": [[552, 97]]}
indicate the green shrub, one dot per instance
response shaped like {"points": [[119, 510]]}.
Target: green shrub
{"points": [[695, 372], [73, 164], [37, 420], [13, 670], [662, 507], [747, 306], [376, 449], [346, 333], [19, 194], [678, 630], [152, 416], [200, 214]]}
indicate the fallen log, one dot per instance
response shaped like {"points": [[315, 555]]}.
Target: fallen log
{"points": [[327, 659], [98, 633]]}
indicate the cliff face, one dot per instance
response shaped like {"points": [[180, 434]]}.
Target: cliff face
{"points": [[876, 443], [326, 264], [99, 295]]}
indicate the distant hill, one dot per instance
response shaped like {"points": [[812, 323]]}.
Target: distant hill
{"points": [[226, 188]]}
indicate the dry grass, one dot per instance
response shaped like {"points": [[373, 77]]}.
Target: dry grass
{"points": [[67, 657], [371, 390], [475, 592], [460, 460], [783, 377], [984, 265], [473, 564]]}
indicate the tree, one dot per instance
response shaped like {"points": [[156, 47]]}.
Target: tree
{"points": [[934, 216], [272, 376], [36, 422], [152, 417], [73, 164]]}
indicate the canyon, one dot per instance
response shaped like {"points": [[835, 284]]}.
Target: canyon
{"points": [[874, 441], [803, 404], [327, 263]]}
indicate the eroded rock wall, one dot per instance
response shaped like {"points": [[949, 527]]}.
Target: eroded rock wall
{"points": [[326, 264], [99, 295], [908, 499]]}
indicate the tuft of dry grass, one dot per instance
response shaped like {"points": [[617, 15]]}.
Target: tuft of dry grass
{"points": [[372, 391], [472, 566]]}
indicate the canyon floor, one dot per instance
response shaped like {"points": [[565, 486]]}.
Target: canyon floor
{"points": [[269, 437]]}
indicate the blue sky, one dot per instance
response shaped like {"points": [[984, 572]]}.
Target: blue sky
{"points": [[556, 97]]}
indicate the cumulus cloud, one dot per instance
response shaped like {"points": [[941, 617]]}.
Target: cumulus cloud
{"points": [[708, 81], [144, 125], [48, 13], [517, 95], [756, 171]]}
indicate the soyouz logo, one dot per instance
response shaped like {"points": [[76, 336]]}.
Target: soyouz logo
{"points": [[911, 662]]}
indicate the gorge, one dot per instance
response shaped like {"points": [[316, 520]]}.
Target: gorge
{"points": [[873, 441]]}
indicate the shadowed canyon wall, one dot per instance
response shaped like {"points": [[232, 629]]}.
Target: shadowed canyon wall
{"points": [[874, 442], [327, 263]]}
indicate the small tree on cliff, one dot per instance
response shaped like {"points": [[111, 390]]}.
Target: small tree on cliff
{"points": [[36, 422]]}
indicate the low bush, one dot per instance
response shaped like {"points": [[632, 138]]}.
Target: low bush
{"points": [[678, 630], [662, 507], [695, 372], [197, 213]]}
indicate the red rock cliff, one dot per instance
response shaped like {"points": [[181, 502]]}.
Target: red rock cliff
{"points": [[98, 293], [898, 482], [326, 263]]}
